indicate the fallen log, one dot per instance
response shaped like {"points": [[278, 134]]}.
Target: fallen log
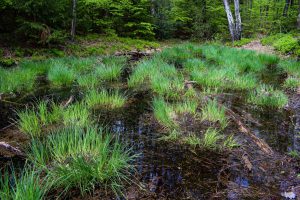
{"points": [[11, 149], [259, 142]]}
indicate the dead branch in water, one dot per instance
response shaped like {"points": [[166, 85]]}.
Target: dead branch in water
{"points": [[11, 149], [259, 142]]}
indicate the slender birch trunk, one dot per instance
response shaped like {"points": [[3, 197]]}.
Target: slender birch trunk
{"points": [[238, 21], [73, 25], [231, 24]]}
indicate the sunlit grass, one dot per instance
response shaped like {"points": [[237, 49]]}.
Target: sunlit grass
{"points": [[82, 158], [89, 81], [104, 98], [27, 185], [230, 142], [29, 123], [187, 106], [194, 64], [212, 112], [211, 139], [266, 95], [292, 67], [76, 115], [192, 140], [163, 113], [59, 75], [17, 80], [292, 83]]}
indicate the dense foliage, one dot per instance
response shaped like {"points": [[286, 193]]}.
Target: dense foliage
{"points": [[49, 21]]}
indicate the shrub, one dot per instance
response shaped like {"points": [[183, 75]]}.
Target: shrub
{"points": [[242, 42], [286, 44]]}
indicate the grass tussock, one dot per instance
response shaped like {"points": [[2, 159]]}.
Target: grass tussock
{"points": [[212, 112], [164, 113], [266, 95], [82, 158], [104, 98], [292, 83], [27, 185], [35, 122], [60, 75]]}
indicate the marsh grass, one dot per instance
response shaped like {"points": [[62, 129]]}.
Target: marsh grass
{"points": [[29, 123], [88, 81], [170, 88], [108, 73], [194, 64], [192, 140], [174, 135], [83, 158], [27, 185], [109, 99], [224, 78], [212, 112], [76, 115], [187, 106], [291, 67], [17, 80], [292, 83], [34, 122], [266, 95], [176, 55], [230, 142], [211, 139], [60, 75], [164, 113]]}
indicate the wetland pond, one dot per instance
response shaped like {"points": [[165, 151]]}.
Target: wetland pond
{"points": [[198, 122]]}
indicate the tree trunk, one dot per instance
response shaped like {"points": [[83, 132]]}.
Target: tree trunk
{"points": [[73, 25], [230, 19], [238, 21], [286, 8], [298, 22]]}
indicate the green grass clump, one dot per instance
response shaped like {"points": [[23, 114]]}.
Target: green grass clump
{"points": [[230, 142], [76, 115], [27, 185], [186, 107], [88, 81], [192, 140], [242, 42], [291, 83], [104, 98], [291, 67], [108, 73], [266, 95], [17, 80], [211, 139], [164, 113], [176, 55], [212, 112], [59, 75], [171, 88], [32, 121], [268, 59], [193, 63], [82, 158], [29, 123]]}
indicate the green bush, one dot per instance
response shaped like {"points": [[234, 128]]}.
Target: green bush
{"points": [[242, 42], [286, 44]]}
